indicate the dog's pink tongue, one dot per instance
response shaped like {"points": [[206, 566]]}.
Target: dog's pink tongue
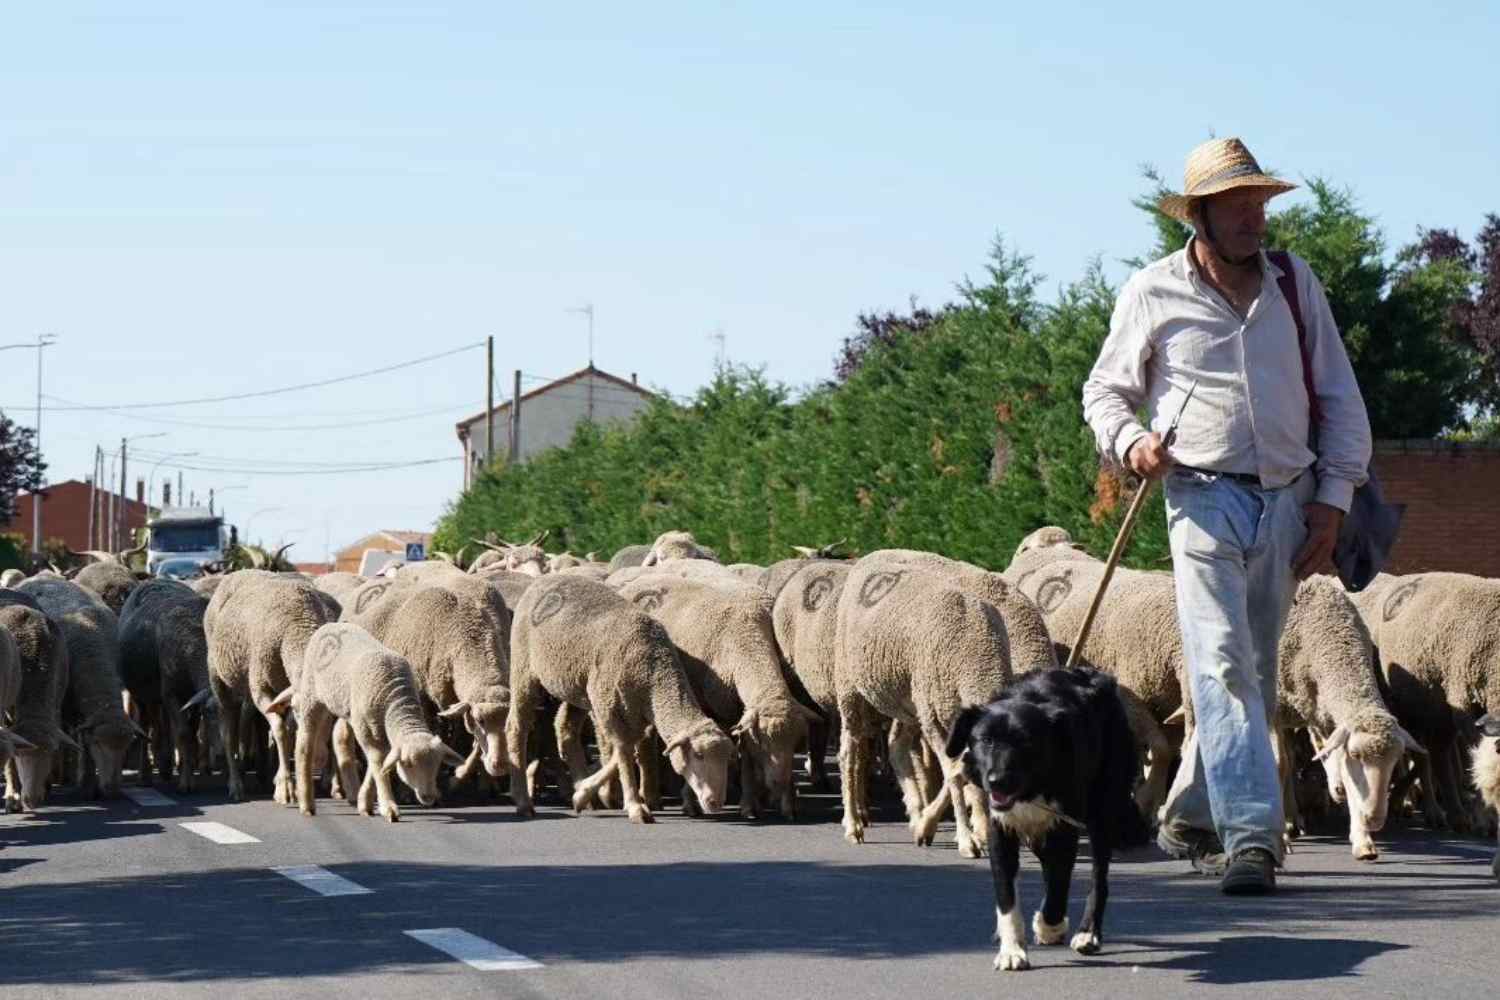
{"points": [[1002, 801]]}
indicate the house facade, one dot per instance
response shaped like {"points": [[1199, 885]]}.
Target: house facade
{"points": [[550, 414], [348, 558], [65, 514]]}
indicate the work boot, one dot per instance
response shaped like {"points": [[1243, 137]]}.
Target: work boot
{"points": [[1187, 843], [1251, 872]]}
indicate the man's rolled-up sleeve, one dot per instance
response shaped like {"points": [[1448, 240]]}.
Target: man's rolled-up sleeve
{"points": [[1117, 385], [1344, 433]]}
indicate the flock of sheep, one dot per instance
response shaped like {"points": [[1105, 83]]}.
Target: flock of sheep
{"points": [[664, 652]]}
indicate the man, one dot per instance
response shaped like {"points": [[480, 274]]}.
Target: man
{"points": [[1251, 507]]}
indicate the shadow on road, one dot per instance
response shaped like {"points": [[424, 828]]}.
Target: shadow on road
{"points": [[250, 923]]}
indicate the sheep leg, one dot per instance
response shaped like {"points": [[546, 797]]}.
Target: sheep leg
{"points": [[525, 694], [905, 762], [316, 721], [346, 757], [854, 720], [1447, 784], [817, 756], [929, 772], [589, 787], [281, 736], [968, 845], [648, 758], [749, 807], [1432, 809], [12, 786], [606, 793], [229, 734], [567, 726], [376, 755], [635, 806], [176, 732]]}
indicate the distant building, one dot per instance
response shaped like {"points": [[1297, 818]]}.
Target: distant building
{"points": [[65, 515], [347, 559], [550, 414], [313, 568]]}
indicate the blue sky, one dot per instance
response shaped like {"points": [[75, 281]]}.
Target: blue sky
{"points": [[201, 202]]}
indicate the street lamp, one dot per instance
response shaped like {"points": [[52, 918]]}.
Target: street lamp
{"points": [[249, 520], [43, 341], [151, 479], [117, 518]]}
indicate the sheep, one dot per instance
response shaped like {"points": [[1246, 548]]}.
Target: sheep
{"points": [[805, 618], [677, 545], [1485, 770], [913, 646], [43, 663], [428, 571], [456, 636], [591, 570], [164, 666], [778, 573], [511, 585], [111, 582], [95, 693], [11, 578], [592, 649], [340, 585], [348, 675], [1436, 637], [630, 555], [525, 558], [748, 572], [691, 569], [1329, 683], [727, 644], [258, 625], [205, 586], [563, 560]]}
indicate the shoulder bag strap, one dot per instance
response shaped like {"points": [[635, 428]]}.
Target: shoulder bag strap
{"points": [[1288, 285]]}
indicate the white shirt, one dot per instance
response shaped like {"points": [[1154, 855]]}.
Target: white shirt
{"points": [[1250, 412]]}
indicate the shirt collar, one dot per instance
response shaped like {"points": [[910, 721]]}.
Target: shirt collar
{"points": [[1269, 272]]}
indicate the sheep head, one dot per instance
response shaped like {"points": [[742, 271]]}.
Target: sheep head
{"points": [[485, 720], [701, 754], [771, 730], [416, 758], [1360, 759], [677, 545], [1041, 538], [109, 737]]}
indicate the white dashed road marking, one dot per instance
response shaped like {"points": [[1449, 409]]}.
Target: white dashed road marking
{"points": [[321, 880], [143, 796], [219, 833], [475, 952]]}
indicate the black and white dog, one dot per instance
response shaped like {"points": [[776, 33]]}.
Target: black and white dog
{"points": [[1056, 757]]}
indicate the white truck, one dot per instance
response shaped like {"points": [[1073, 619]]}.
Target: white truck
{"points": [[182, 540]]}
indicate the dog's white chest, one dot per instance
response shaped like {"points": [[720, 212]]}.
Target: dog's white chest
{"points": [[1028, 820]]}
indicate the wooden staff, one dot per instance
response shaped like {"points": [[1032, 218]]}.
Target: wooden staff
{"points": [[1123, 538]]}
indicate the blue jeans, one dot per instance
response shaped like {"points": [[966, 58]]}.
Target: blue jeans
{"points": [[1232, 552]]}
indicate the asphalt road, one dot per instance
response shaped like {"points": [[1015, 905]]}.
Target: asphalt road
{"points": [[121, 900]]}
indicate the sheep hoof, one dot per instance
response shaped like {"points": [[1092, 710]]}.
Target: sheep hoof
{"points": [[581, 800], [308, 811], [527, 811], [392, 813], [1365, 852], [854, 836], [640, 814], [970, 849], [1086, 943]]}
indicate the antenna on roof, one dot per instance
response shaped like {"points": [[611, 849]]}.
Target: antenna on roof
{"points": [[722, 357], [588, 310]]}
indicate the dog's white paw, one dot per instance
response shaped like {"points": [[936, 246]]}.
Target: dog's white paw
{"points": [[1086, 943], [1048, 934], [1011, 958]]}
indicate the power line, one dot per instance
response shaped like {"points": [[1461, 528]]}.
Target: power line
{"points": [[284, 427], [320, 472], [276, 392]]}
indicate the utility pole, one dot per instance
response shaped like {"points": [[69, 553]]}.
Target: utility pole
{"points": [[42, 341], [515, 420], [122, 515], [93, 498], [489, 400], [179, 487]]}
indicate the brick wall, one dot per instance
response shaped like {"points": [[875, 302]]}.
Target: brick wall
{"points": [[65, 515], [1452, 493]]}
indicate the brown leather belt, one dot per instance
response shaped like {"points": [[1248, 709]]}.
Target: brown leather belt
{"points": [[1244, 478]]}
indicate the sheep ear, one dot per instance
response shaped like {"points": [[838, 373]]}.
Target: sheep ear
{"points": [[65, 739], [455, 711], [136, 727], [804, 551], [280, 703], [1177, 718], [18, 742], [748, 723], [958, 737], [679, 742], [450, 755], [201, 698], [1335, 742], [1490, 725], [1410, 741]]}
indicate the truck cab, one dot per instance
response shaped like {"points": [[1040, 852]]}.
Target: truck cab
{"points": [[180, 535]]}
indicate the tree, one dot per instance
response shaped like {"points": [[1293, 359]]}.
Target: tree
{"points": [[873, 329], [21, 467]]}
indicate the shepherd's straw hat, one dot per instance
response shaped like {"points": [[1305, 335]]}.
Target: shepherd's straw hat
{"points": [[1218, 165]]}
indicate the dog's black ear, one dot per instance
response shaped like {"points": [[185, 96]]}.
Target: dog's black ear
{"points": [[958, 739], [1490, 725]]}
